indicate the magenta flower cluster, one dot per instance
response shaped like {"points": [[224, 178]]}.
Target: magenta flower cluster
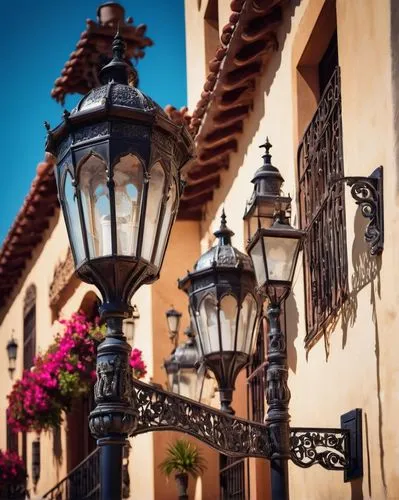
{"points": [[61, 374], [12, 469], [136, 362]]}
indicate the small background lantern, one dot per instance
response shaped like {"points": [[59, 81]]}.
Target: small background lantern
{"points": [[183, 368], [12, 349], [224, 309], [173, 319]]}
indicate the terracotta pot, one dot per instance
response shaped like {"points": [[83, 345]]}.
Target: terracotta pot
{"points": [[182, 485]]}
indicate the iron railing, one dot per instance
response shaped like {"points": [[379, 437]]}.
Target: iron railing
{"points": [[232, 479], [82, 483], [322, 210]]}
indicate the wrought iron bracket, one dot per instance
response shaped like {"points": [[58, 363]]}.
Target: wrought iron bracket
{"points": [[333, 449], [160, 410], [368, 194]]}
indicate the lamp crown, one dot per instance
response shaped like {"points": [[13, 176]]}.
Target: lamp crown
{"points": [[224, 233], [117, 70]]}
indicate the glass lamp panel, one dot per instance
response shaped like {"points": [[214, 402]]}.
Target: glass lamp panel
{"points": [[96, 206], [167, 219], [228, 322], [72, 219], [246, 324], [128, 178], [154, 204], [280, 254], [208, 325], [259, 263], [173, 382], [252, 326]]}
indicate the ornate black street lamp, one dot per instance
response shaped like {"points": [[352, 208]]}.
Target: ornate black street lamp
{"points": [[224, 309], [173, 319], [118, 176], [183, 368]]}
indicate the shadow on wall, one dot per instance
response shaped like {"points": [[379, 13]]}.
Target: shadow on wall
{"points": [[258, 111], [366, 270]]}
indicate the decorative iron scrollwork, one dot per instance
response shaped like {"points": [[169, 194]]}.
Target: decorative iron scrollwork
{"points": [[368, 194], [326, 447], [160, 410]]}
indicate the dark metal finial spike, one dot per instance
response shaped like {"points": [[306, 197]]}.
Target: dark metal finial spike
{"points": [[267, 145], [223, 219], [118, 46]]}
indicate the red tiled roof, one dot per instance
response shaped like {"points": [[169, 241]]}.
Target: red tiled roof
{"points": [[28, 228], [81, 72]]}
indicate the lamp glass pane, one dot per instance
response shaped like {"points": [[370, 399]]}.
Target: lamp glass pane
{"points": [[248, 315], [128, 178], [259, 263], [280, 254], [228, 321], [96, 206], [208, 325], [72, 219], [154, 204], [167, 219]]}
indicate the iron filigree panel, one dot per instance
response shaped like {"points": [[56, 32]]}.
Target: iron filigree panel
{"points": [[322, 210], [160, 410], [326, 447]]}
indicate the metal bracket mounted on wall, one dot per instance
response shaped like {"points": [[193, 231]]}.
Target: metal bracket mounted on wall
{"points": [[368, 194], [352, 421], [333, 449]]}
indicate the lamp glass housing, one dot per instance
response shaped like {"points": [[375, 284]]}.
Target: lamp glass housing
{"points": [[274, 253]]}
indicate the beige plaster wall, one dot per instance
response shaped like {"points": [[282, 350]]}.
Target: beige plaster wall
{"points": [[355, 365]]}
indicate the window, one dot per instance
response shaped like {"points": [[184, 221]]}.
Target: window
{"points": [[321, 201], [29, 327]]}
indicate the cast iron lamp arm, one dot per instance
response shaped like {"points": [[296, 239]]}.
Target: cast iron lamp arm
{"points": [[156, 410]]}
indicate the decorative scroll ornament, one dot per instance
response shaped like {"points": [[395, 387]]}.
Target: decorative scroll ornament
{"points": [[368, 194], [326, 447], [63, 274], [160, 410], [113, 380]]}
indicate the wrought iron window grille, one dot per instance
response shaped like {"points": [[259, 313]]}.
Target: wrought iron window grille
{"points": [[322, 211]]}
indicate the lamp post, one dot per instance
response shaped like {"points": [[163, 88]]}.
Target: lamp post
{"points": [[173, 319], [118, 168], [118, 178]]}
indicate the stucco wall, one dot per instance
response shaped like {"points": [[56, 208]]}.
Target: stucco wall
{"points": [[355, 365]]}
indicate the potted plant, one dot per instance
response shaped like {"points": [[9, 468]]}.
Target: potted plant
{"points": [[183, 458], [12, 476]]}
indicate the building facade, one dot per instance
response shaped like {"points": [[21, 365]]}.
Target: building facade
{"points": [[319, 78]]}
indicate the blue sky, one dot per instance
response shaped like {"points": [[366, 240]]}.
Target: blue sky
{"points": [[36, 39]]}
